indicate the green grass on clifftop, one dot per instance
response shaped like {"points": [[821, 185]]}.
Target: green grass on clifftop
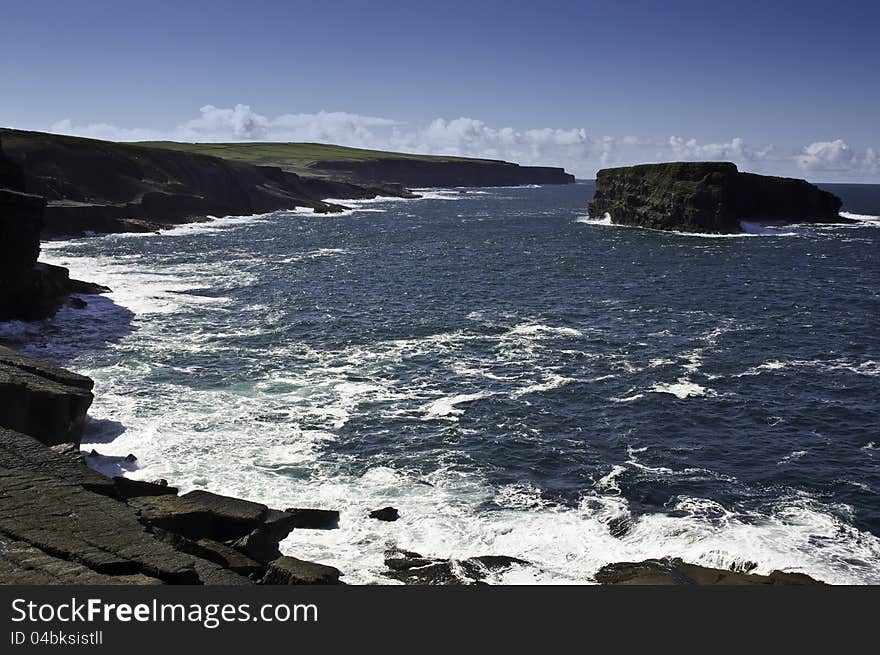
{"points": [[294, 156]]}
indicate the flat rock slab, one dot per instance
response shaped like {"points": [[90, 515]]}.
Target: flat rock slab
{"points": [[60, 520], [22, 452], [228, 508], [411, 568], [21, 563], [315, 519], [278, 524], [127, 488], [68, 522], [290, 571], [201, 514], [9, 357], [258, 545]]}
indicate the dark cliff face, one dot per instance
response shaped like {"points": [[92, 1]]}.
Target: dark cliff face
{"points": [[100, 186], [450, 173], [710, 197], [28, 290]]}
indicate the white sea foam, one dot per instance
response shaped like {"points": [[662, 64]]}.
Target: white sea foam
{"points": [[869, 368], [587, 220], [862, 218], [628, 399], [553, 381], [534, 329], [447, 407], [761, 229], [748, 229], [797, 454], [609, 481], [682, 388]]}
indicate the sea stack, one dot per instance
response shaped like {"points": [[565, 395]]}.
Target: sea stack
{"points": [[707, 197]]}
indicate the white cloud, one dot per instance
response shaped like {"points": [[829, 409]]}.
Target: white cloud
{"points": [[827, 156], [735, 150], [572, 148], [104, 131], [836, 158], [468, 137]]}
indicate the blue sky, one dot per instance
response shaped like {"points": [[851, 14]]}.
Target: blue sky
{"points": [[780, 87]]}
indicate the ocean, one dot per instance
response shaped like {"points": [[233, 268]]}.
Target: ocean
{"points": [[515, 377]]}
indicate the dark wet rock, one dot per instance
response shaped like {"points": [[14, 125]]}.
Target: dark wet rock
{"points": [[710, 197], [412, 568], [28, 290], [127, 488], [497, 562], [292, 571], [330, 208], [232, 515], [175, 514], [314, 519], [620, 526], [385, 514], [211, 573], [42, 400], [278, 524], [130, 458], [187, 517], [78, 303], [259, 545], [676, 572], [220, 554]]}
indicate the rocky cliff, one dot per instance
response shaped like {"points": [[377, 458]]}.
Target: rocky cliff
{"points": [[710, 197], [28, 290], [100, 186], [449, 173], [42, 400]]}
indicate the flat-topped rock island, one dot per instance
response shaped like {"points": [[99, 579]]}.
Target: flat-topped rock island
{"points": [[707, 197]]}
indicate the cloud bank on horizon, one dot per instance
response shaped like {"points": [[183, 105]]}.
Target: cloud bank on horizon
{"points": [[574, 149]]}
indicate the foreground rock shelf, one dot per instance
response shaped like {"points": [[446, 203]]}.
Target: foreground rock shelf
{"points": [[708, 197], [63, 523], [42, 400]]}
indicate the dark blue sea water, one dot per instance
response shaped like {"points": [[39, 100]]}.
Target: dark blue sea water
{"points": [[515, 377]]}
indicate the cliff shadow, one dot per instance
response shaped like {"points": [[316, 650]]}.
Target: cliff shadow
{"points": [[85, 324], [101, 430]]}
